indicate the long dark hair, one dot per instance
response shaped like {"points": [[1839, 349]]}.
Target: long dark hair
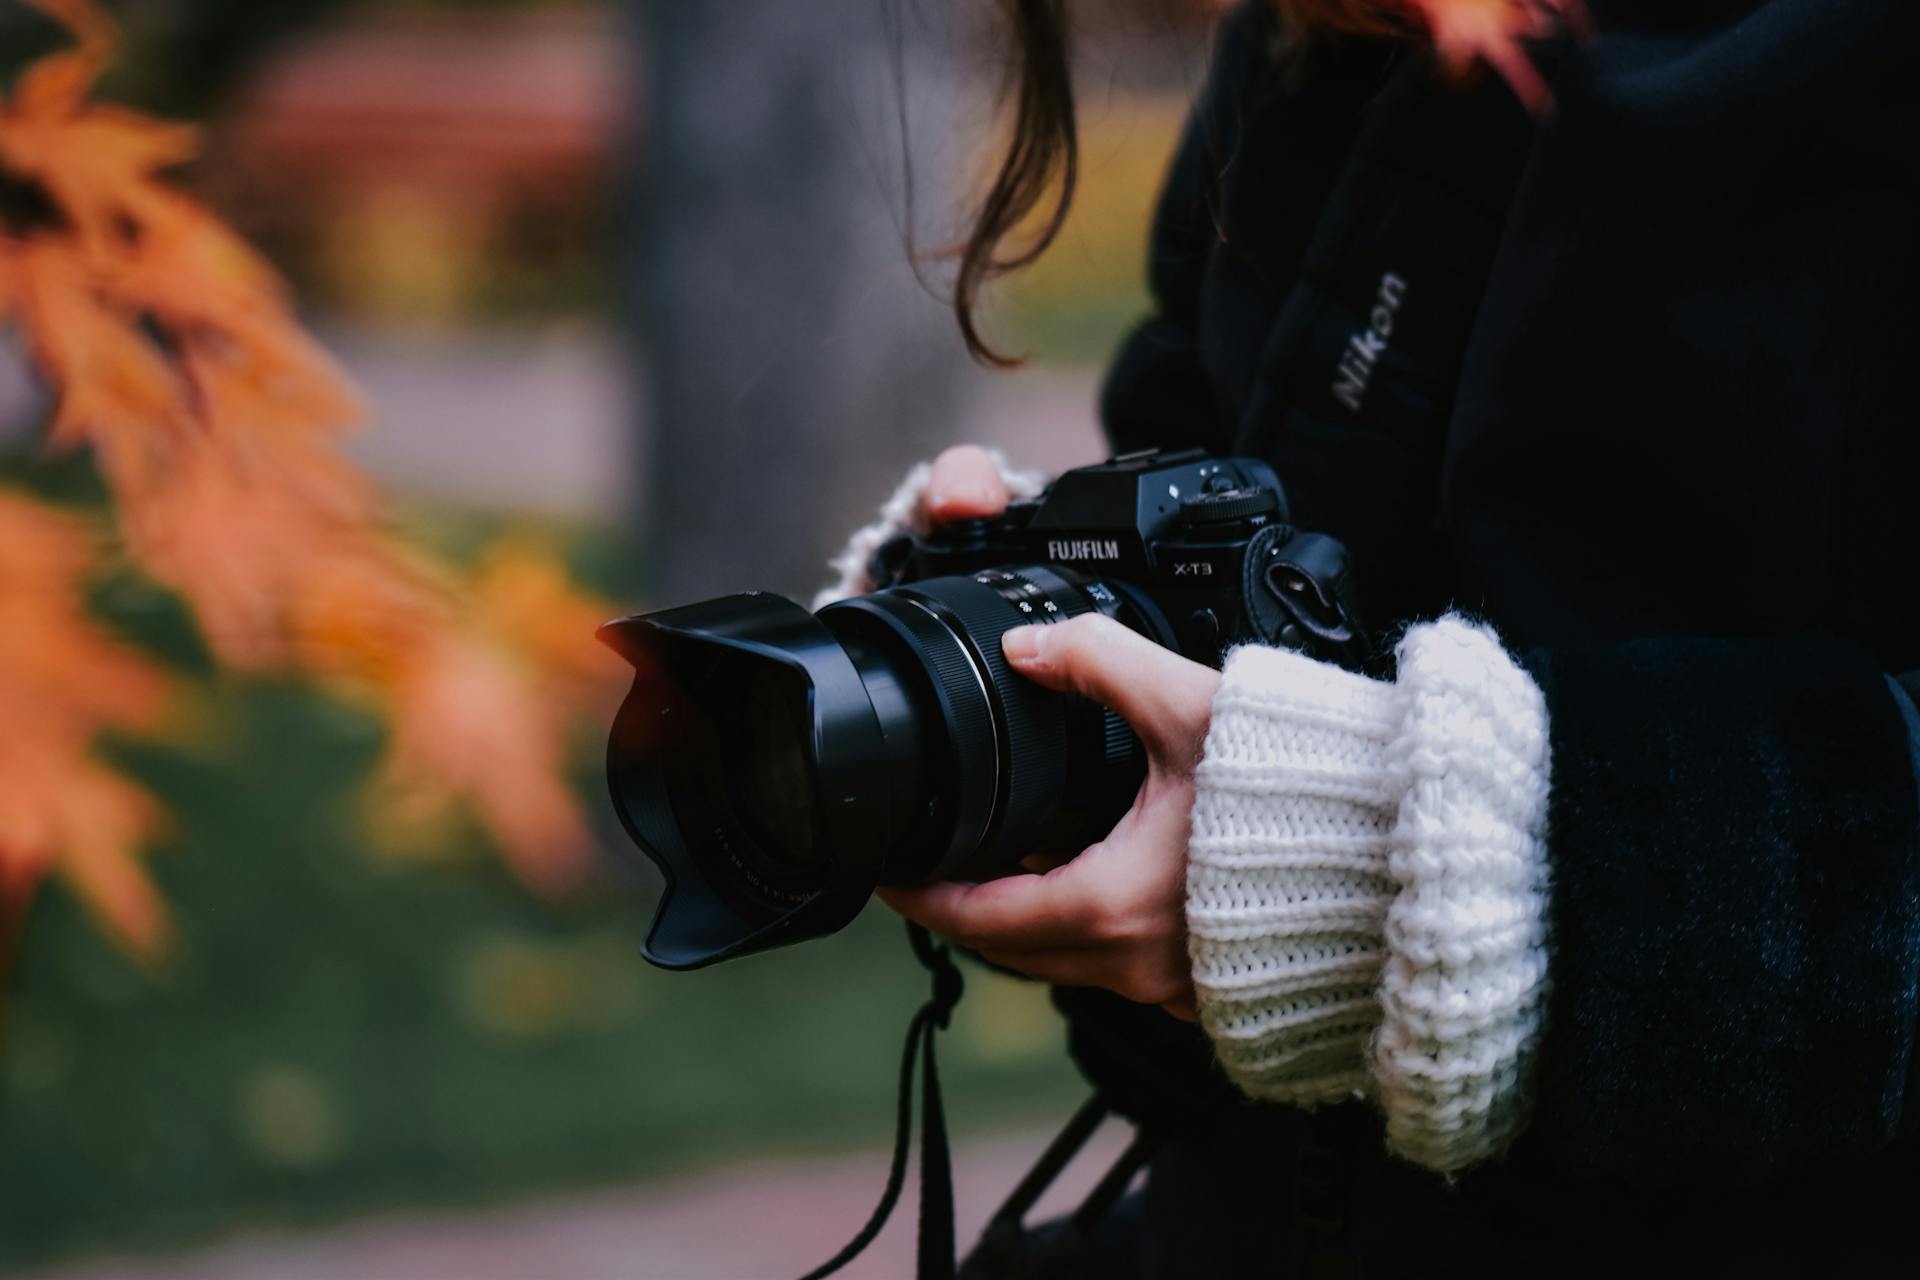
{"points": [[1044, 142], [1043, 148]]}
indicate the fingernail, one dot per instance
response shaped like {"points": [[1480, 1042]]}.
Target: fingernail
{"points": [[970, 495], [1023, 644]]}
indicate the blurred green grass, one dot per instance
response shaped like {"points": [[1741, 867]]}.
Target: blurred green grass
{"points": [[340, 1031]]}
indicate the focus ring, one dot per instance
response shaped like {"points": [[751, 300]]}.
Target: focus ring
{"points": [[966, 703], [1033, 719]]}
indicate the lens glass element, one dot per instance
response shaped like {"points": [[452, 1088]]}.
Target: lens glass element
{"points": [[772, 780]]}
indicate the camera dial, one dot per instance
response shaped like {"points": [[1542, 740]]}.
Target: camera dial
{"points": [[1227, 506]]}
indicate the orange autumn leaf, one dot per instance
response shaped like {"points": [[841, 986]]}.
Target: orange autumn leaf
{"points": [[129, 277], [230, 541], [233, 286], [1462, 32], [479, 683], [62, 681], [96, 163], [112, 384], [63, 812], [278, 387], [364, 610], [1491, 31], [89, 24], [59, 82], [471, 726], [54, 661], [173, 355], [524, 594]]}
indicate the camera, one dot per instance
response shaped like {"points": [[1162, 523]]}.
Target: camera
{"points": [[777, 765]]}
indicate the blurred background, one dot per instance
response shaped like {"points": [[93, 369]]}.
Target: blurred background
{"points": [[632, 280]]}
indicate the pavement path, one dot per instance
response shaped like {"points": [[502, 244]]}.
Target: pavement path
{"points": [[766, 1221]]}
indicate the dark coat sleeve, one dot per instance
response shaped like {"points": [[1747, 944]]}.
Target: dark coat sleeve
{"points": [[1679, 482], [1676, 437], [1735, 907]]}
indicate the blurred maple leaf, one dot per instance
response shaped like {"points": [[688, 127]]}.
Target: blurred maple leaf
{"points": [[174, 356], [1463, 32], [522, 593], [472, 725], [62, 680]]}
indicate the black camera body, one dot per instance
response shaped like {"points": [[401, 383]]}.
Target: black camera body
{"points": [[1206, 540], [778, 765]]}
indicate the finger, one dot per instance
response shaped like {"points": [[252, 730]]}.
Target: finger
{"points": [[1183, 1009], [1165, 697], [964, 485], [1106, 969], [1012, 913]]}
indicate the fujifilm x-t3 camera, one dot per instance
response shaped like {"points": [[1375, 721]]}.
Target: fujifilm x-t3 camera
{"points": [[777, 765]]}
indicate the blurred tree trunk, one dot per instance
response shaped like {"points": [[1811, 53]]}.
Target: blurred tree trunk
{"points": [[794, 365]]}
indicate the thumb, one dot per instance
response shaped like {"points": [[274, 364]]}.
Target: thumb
{"points": [[1166, 698]]}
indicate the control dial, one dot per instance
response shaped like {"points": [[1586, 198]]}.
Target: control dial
{"points": [[1227, 506]]}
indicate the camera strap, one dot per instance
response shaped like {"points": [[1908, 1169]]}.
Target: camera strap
{"points": [[936, 1251], [1010, 1248]]}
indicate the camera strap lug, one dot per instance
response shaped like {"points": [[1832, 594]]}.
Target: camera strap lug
{"points": [[1300, 593]]}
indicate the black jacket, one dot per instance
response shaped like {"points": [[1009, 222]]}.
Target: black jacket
{"points": [[1633, 382]]}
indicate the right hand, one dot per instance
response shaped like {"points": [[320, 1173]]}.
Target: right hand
{"points": [[965, 485]]}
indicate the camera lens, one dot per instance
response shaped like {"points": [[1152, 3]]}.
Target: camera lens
{"points": [[1011, 766], [772, 788], [778, 765]]}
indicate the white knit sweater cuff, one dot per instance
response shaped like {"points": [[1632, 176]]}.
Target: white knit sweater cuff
{"points": [[900, 514], [1366, 888]]}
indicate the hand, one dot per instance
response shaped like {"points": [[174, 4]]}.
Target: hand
{"points": [[965, 485], [1115, 916]]}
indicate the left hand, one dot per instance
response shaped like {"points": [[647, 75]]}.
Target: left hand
{"points": [[1115, 916]]}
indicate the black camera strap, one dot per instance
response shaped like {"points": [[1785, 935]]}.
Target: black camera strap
{"points": [[936, 1163], [1009, 1248], [1006, 1234]]}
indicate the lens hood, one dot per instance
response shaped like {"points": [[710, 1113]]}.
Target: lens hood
{"points": [[733, 888]]}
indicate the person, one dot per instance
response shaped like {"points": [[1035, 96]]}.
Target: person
{"points": [[1588, 928]]}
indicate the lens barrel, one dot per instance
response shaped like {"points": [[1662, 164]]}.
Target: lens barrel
{"points": [[777, 765]]}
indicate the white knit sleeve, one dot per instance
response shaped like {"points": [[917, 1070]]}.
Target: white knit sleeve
{"points": [[900, 514], [1367, 886]]}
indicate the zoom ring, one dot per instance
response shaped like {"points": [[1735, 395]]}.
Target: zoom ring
{"points": [[1033, 719]]}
